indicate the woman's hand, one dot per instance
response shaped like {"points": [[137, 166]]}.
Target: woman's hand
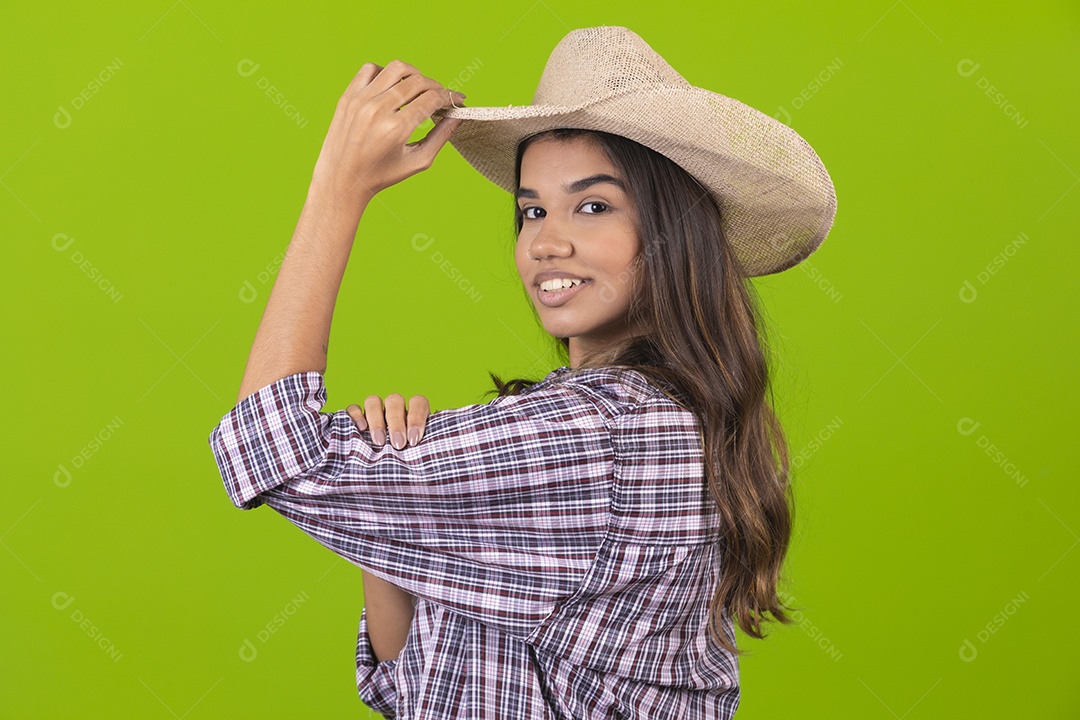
{"points": [[372, 417], [365, 149]]}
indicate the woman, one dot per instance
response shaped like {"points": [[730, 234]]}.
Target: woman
{"points": [[580, 546]]}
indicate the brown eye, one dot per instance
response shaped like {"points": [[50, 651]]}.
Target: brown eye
{"points": [[595, 202]]}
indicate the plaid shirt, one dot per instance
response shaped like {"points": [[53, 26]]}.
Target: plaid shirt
{"points": [[560, 543]]}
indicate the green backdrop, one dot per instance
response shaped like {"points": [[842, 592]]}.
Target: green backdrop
{"points": [[154, 161]]}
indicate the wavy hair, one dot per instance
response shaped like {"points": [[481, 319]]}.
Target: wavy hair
{"points": [[701, 342]]}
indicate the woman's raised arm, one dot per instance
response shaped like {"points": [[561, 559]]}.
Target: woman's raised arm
{"points": [[366, 150]]}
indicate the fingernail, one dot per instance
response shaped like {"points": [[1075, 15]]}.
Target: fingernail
{"points": [[397, 438], [414, 436], [379, 437]]}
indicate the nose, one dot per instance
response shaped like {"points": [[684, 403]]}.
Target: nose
{"points": [[550, 241]]}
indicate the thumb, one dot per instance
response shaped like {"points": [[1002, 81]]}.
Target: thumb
{"points": [[438, 136]]}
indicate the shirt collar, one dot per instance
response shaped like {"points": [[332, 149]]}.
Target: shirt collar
{"points": [[641, 385]]}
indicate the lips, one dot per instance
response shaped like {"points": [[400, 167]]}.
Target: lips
{"points": [[557, 298]]}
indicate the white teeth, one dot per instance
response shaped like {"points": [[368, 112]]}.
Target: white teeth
{"points": [[558, 284]]}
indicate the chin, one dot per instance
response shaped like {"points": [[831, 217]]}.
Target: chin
{"points": [[562, 329]]}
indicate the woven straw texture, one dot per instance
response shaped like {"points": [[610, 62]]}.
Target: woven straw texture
{"points": [[775, 196]]}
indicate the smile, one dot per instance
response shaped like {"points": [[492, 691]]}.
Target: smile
{"points": [[558, 297]]}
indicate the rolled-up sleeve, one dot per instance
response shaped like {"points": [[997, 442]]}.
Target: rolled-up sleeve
{"points": [[374, 680], [497, 513]]}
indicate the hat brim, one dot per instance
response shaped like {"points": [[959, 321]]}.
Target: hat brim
{"points": [[776, 198]]}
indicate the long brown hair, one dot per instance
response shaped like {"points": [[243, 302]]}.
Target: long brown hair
{"points": [[700, 341]]}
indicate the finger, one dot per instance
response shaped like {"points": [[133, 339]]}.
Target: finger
{"points": [[418, 100], [427, 148], [406, 92], [373, 410], [357, 415], [390, 76], [368, 72], [457, 100], [395, 419], [419, 410], [429, 100]]}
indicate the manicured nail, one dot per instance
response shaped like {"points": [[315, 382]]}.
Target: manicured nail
{"points": [[414, 436], [378, 436], [398, 439]]}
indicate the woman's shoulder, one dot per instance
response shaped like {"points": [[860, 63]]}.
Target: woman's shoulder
{"points": [[616, 390]]}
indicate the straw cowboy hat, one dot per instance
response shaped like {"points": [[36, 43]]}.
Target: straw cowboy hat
{"points": [[776, 199]]}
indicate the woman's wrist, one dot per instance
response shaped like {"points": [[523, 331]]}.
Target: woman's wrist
{"points": [[343, 206]]}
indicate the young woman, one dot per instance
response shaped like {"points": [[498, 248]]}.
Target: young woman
{"points": [[581, 546]]}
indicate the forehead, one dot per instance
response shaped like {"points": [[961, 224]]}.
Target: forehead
{"points": [[557, 159]]}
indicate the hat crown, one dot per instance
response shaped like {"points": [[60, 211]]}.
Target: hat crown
{"points": [[596, 62]]}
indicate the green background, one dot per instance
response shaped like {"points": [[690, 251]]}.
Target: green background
{"points": [[928, 400]]}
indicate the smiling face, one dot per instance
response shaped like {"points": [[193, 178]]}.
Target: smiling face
{"points": [[579, 225]]}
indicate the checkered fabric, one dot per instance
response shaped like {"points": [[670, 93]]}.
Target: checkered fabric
{"points": [[560, 543]]}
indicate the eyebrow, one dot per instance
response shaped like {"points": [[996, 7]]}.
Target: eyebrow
{"points": [[576, 186]]}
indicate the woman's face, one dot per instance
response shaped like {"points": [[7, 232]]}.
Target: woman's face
{"points": [[579, 229]]}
